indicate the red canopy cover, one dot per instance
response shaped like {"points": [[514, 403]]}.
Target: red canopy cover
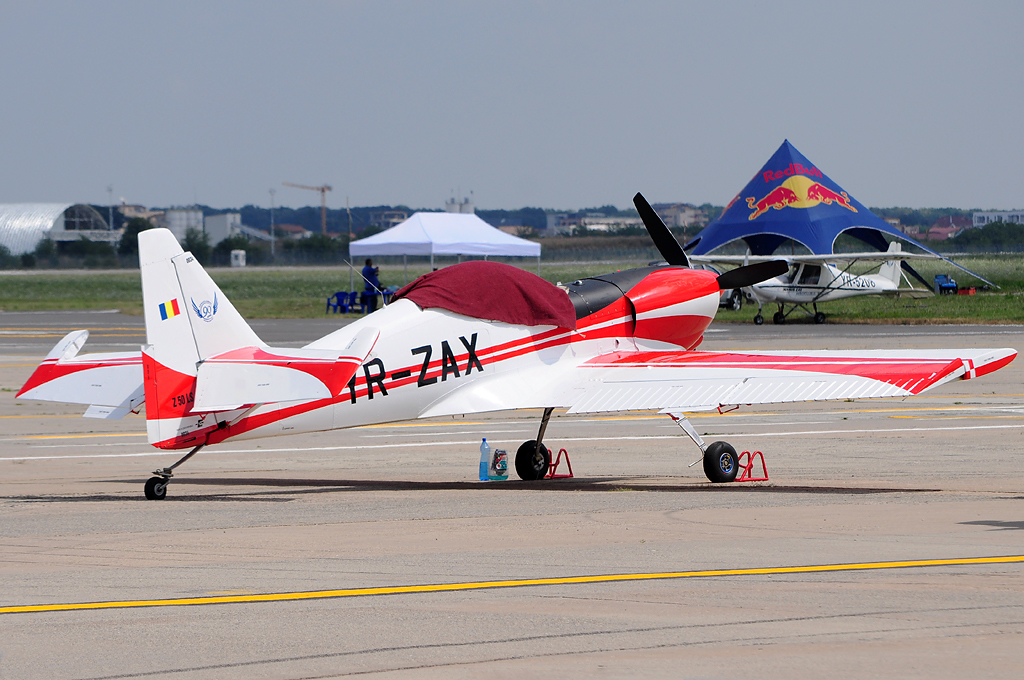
{"points": [[494, 291]]}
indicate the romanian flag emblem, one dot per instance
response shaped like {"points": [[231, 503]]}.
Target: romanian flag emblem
{"points": [[169, 309]]}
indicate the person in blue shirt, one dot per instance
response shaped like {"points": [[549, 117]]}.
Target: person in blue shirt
{"points": [[372, 286]]}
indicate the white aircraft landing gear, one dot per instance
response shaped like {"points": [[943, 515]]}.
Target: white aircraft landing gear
{"points": [[156, 487], [533, 458], [720, 461]]}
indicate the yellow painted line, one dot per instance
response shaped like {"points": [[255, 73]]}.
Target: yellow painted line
{"points": [[490, 585], [58, 335], [38, 329], [12, 417], [85, 436], [965, 417]]}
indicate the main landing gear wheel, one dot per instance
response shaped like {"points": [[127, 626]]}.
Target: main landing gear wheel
{"points": [[819, 317], [736, 301], [532, 462], [720, 463], [759, 319], [156, 488], [779, 318]]}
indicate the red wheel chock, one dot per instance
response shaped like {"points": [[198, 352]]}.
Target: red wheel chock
{"points": [[554, 466], [747, 468]]}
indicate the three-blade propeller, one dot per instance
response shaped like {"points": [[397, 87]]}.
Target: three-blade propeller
{"points": [[669, 247]]}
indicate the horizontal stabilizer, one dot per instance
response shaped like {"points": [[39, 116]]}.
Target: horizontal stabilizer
{"points": [[112, 379], [106, 412], [263, 375]]}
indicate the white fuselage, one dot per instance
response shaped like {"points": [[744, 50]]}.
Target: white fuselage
{"points": [[806, 283]]}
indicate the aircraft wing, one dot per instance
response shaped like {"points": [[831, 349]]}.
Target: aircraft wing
{"points": [[835, 258], [109, 383], [693, 381]]}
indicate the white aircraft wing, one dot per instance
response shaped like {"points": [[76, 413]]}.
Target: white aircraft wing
{"points": [[693, 381], [835, 258]]}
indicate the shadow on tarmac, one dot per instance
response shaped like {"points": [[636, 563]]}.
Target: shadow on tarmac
{"points": [[997, 524], [285, 490]]}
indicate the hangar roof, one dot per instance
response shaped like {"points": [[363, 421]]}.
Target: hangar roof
{"points": [[23, 225]]}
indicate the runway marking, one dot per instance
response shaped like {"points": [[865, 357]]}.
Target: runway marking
{"points": [[972, 417], [513, 583], [84, 436], [472, 442]]}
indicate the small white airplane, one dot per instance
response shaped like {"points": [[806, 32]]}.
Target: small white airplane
{"points": [[811, 279], [470, 338]]}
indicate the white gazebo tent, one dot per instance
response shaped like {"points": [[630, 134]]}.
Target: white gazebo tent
{"points": [[444, 234]]}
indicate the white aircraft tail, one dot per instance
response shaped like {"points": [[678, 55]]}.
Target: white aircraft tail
{"points": [[891, 269], [204, 367], [188, 319]]}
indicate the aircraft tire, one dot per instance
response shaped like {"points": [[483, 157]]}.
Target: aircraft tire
{"points": [[758, 319], [736, 301], [779, 318], [156, 489], [529, 465], [721, 463], [819, 317]]}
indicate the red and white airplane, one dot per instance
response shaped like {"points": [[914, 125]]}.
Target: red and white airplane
{"points": [[470, 338]]}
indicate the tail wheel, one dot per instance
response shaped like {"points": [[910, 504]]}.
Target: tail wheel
{"points": [[156, 488], [721, 463], [532, 461]]}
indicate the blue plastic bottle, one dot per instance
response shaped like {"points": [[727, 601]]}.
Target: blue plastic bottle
{"points": [[485, 460]]}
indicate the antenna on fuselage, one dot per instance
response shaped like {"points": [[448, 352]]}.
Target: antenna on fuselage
{"points": [[666, 243]]}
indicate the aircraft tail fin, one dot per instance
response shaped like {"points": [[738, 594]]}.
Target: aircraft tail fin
{"points": [[891, 269], [188, 319]]}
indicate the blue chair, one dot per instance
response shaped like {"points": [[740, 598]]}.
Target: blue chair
{"points": [[945, 285], [338, 302], [355, 303]]}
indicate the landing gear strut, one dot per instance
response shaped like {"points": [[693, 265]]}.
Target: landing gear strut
{"points": [[156, 487], [533, 458], [720, 460]]}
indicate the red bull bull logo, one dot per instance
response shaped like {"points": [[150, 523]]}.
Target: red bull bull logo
{"points": [[799, 191]]}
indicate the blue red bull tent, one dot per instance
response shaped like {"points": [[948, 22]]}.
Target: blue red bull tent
{"points": [[790, 198]]}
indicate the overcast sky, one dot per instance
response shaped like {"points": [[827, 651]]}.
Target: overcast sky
{"points": [[549, 104]]}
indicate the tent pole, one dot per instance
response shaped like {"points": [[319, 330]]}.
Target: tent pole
{"points": [[351, 275], [431, 260], [405, 270], [538, 265]]}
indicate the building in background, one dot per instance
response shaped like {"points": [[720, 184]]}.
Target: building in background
{"points": [[947, 227], [291, 231], [565, 224], [1011, 216], [24, 225], [220, 227], [680, 214], [180, 220], [454, 206], [130, 211], [385, 219]]}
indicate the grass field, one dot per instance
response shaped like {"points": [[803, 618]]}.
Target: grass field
{"points": [[301, 292]]}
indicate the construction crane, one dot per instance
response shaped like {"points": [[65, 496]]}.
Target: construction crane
{"points": [[323, 201]]}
